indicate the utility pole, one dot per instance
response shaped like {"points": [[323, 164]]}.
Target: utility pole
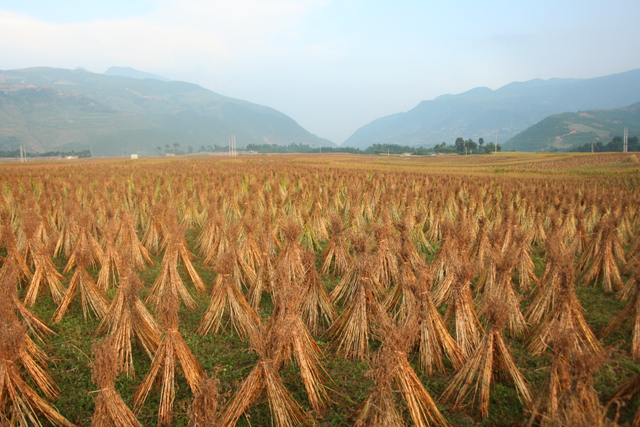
{"points": [[626, 140], [592, 146], [232, 146]]}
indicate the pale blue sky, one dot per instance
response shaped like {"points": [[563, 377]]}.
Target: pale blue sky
{"points": [[333, 66]]}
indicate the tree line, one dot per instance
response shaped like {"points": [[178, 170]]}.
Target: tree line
{"points": [[615, 145], [16, 153]]}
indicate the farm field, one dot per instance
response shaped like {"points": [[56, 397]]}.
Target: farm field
{"points": [[331, 290]]}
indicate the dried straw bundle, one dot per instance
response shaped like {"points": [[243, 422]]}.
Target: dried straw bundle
{"points": [[127, 240], [248, 247], [502, 288], [155, 230], [110, 411], [352, 328], [45, 274], [128, 317], [565, 315], [460, 311], [169, 281], [92, 297], [265, 277], [293, 339], [568, 396], [107, 277], [208, 238], [491, 359], [605, 252], [19, 403], [204, 408], [335, 257], [264, 379], [9, 241], [172, 351], [289, 263], [392, 370], [227, 297], [432, 337], [631, 311], [627, 391], [316, 305], [86, 247], [545, 294], [386, 263]]}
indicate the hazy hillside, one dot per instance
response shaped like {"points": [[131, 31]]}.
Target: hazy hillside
{"points": [[509, 110], [133, 73], [566, 130], [57, 109]]}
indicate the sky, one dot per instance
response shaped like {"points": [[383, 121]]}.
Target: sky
{"points": [[333, 66]]}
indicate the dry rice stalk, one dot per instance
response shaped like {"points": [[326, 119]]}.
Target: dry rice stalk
{"points": [[391, 367], [86, 246], [432, 338], [565, 315], [386, 264], [631, 311], [491, 358], [128, 317], [627, 391], [110, 411], [316, 306], [92, 297], [204, 408], [19, 403], [460, 310], [292, 338], [264, 379], [127, 241], [568, 396], [171, 352], [352, 328], [545, 294], [9, 241], [227, 297], [45, 273], [265, 276], [336, 254], [169, 280], [109, 270], [605, 252], [502, 289]]}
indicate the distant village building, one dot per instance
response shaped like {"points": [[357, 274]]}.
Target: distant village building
{"points": [[170, 154], [71, 157], [134, 157]]}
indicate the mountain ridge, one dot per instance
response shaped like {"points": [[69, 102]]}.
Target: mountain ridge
{"points": [[134, 114], [568, 130], [509, 110]]}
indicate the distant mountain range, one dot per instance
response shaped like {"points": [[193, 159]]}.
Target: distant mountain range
{"points": [[567, 130], [133, 73], [50, 109], [481, 112]]}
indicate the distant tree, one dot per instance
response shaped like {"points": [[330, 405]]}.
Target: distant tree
{"points": [[459, 145], [159, 150], [190, 149], [481, 142], [470, 146]]}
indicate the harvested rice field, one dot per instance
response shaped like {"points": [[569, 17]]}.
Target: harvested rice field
{"points": [[335, 290]]}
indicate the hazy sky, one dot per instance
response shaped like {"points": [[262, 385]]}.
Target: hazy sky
{"points": [[333, 66]]}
